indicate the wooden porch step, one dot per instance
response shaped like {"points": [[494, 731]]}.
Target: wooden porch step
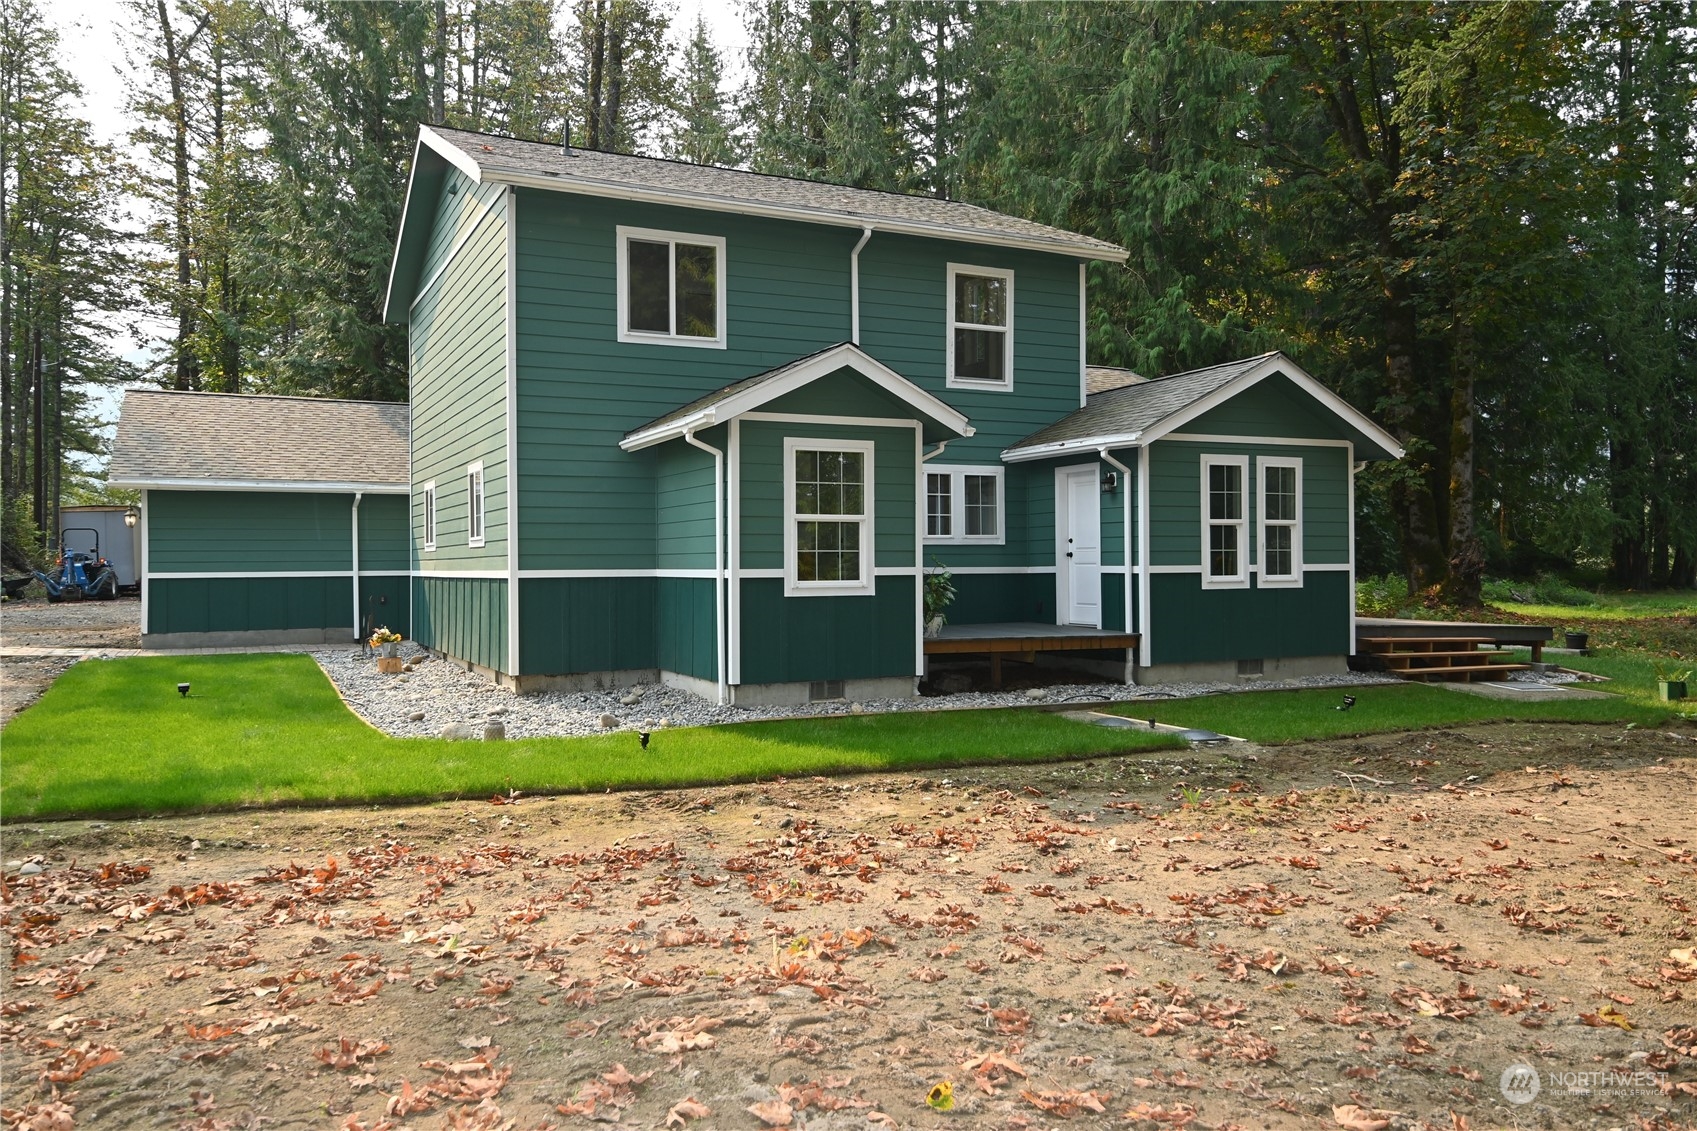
{"points": [[1395, 643], [1389, 656], [1486, 671]]}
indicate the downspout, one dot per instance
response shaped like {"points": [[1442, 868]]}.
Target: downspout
{"points": [[1145, 615], [719, 657], [919, 494], [1125, 526], [854, 285], [357, 496]]}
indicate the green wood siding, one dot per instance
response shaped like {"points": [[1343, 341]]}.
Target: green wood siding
{"points": [[683, 505], [1276, 407], [1193, 625], [384, 601], [784, 638], [1175, 500], [588, 624], [383, 534], [459, 363], [687, 626], [466, 617], [989, 598], [249, 531], [249, 604], [762, 519]]}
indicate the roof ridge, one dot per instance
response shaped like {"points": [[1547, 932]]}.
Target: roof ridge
{"points": [[1216, 365], [257, 396]]}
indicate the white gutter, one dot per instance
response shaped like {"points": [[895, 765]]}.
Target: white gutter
{"points": [[186, 483], [357, 496], [718, 563], [854, 285], [1068, 447], [1125, 527]]}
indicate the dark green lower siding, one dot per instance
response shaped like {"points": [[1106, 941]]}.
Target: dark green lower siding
{"points": [[991, 598], [1196, 625], [687, 628], [465, 617], [590, 624], [792, 639], [248, 604], [383, 601]]}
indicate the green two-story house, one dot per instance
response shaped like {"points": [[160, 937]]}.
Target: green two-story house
{"points": [[711, 427]]}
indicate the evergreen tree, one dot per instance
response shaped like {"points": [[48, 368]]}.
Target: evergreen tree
{"points": [[702, 130]]}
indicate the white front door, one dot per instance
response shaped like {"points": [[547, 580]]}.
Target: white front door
{"points": [[1080, 532]]}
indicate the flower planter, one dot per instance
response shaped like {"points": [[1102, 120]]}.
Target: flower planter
{"points": [[1577, 640], [1670, 690], [389, 649], [933, 628]]}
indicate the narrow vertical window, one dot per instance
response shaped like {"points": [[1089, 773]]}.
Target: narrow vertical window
{"points": [[474, 505], [671, 288], [1225, 523], [980, 344], [939, 506], [828, 487], [1281, 521], [430, 515]]}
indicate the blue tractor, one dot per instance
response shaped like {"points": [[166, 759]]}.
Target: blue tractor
{"points": [[80, 575]]}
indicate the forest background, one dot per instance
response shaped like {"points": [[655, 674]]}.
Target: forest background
{"points": [[1476, 221]]}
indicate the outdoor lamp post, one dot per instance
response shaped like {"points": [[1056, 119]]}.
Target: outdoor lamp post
{"points": [[131, 516]]}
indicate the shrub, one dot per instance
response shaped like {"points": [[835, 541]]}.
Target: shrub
{"points": [[1545, 589], [1382, 596]]}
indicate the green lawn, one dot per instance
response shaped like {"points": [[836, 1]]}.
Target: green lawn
{"points": [[1613, 606], [112, 737], [1290, 716]]}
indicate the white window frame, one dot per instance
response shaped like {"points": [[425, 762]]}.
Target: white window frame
{"points": [[950, 380], [476, 509], [656, 235], [1265, 580], [1239, 580], [865, 586], [957, 473], [429, 499]]}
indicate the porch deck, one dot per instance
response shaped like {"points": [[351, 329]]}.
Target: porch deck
{"points": [[1533, 636], [1023, 640]]}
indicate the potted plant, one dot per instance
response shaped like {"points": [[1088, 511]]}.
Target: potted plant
{"points": [[1671, 682], [387, 644], [939, 592]]}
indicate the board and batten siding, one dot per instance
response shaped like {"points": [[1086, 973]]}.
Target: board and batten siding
{"points": [[1195, 625], [458, 348]]}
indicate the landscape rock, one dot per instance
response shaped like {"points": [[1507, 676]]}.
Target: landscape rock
{"points": [[608, 722], [416, 717], [631, 700], [461, 731], [1037, 693]]}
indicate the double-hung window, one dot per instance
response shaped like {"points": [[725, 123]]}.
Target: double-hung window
{"points": [[671, 288], [430, 515], [1281, 520], [474, 504], [980, 343], [828, 516], [1225, 522], [964, 504]]}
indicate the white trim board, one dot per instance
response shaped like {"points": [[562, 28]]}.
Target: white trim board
{"points": [[901, 422], [209, 575], [1259, 441], [528, 574], [301, 485], [468, 574], [1320, 567], [976, 570], [511, 519]]}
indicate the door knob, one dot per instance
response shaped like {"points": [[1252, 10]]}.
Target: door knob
{"points": [[1069, 553]]}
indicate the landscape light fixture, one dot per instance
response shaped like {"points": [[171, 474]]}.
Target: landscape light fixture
{"points": [[131, 517], [183, 690], [1348, 702], [643, 737]]}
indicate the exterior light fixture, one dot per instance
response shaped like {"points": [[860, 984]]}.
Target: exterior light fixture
{"points": [[1110, 482], [131, 517]]}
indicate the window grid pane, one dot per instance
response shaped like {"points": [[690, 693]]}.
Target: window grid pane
{"points": [[827, 551], [697, 291], [1222, 551], [981, 300], [980, 506], [1281, 493], [1278, 552], [829, 483], [980, 355], [1225, 492], [648, 273], [939, 501]]}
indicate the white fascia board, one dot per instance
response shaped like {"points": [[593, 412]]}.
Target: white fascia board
{"points": [[451, 153], [305, 486], [1278, 363], [1090, 444], [804, 374], [707, 202]]}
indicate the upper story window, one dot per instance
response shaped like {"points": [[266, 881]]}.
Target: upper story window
{"points": [[1225, 522], [430, 515], [980, 345], [671, 288], [964, 504], [474, 504], [828, 519], [1281, 520]]}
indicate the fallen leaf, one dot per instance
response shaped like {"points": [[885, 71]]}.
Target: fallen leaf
{"points": [[1362, 1119], [773, 1113], [685, 1110]]}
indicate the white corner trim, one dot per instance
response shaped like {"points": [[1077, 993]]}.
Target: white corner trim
{"points": [[1144, 619], [800, 374], [514, 622], [622, 241], [954, 271], [1349, 473], [1083, 327], [733, 536], [141, 564]]}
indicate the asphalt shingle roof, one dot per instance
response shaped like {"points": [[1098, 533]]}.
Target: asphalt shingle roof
{"points": [[728, 188], [1135, 407], [1101, 378], [168, 435]]}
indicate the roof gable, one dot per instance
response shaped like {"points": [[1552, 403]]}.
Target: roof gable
{"points": [[220, 441], [763, 389], [1144, 412]]}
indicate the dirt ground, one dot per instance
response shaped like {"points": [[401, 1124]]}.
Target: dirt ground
{"points": [[1201, 940], [69, 624]]}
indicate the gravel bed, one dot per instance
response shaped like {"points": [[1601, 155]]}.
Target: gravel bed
{"points": [[37, 612], [440, 693]]}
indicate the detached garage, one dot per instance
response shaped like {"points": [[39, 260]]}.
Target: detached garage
{"points": [[266, 520]]}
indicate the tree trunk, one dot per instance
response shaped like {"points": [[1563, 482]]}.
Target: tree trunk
{"points": [[439, 66], [597, 66], [1466, 558], [186, 376], [38, 463], [1422, 550], [940, 105], [615, 81]]}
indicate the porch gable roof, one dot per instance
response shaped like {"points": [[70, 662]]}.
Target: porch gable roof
{"points": [[751, 393], [1142, 412]]}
